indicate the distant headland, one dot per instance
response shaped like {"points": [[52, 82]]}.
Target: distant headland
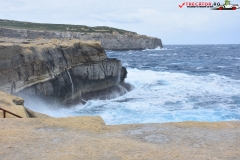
{"points": [[110, 38]]}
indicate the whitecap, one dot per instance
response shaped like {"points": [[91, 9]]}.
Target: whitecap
{"points": [[221, 66], [125, 64], [153, 55], [165, 97], [157, 49]]}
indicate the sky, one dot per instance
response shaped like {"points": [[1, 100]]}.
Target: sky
{"points": [[156, 18]]}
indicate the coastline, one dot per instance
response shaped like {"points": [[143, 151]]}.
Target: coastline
{"points": [[38, 136], [109, 41]]}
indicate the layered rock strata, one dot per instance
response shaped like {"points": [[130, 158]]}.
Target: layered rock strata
{"points": [[60, 69], [110, 41]]}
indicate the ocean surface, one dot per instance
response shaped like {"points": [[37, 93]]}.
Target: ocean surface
{"points": [[173, 84]]}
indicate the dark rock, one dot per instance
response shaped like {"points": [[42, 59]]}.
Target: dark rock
{"points": [[57, 70], [18, 101]]}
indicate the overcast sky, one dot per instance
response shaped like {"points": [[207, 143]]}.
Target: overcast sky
{"points": [[157, 18]]}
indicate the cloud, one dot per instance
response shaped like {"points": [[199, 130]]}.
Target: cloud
{"points": [[155, 18]]}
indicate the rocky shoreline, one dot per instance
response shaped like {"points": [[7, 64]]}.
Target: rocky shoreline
{"points": [[109, 41], [61, 66], [38, 136], [66, 70], [58, 70]]}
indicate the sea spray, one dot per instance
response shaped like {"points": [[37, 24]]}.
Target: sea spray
{"points": [[165, 97], [71, 82], [170, 97], [181, 83], [123, 90]]}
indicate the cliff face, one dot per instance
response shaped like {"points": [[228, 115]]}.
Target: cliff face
{"points": [[110, 41], [60, 69]]}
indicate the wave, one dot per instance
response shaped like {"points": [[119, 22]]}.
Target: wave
{"points": [[157, 49], [166, 97]]}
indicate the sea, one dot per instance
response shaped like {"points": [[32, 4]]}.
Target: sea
{"points": [[171, 84]]}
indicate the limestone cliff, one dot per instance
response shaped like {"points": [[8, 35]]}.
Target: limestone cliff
{"points": [[60, 69], [110, 41]]}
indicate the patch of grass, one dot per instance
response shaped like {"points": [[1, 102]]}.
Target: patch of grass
{"points": [[60, 27]]}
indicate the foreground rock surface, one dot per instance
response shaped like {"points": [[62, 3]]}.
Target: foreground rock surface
{"points": [[111, 41], [62, 69], [43, 137], [90, 138]]}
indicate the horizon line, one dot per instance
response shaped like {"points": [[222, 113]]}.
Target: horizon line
{"points": [[206, 44]]}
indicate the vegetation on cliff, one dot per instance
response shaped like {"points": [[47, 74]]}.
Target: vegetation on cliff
{"points": [[60, 27]]}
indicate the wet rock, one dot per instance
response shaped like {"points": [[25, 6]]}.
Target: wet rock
{"points": [[58, 69]]}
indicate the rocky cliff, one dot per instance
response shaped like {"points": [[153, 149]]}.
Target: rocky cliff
{"points": [[110, 41], [57, 69]]}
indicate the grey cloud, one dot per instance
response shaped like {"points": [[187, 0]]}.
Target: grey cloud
{"points": [[154, 18]]}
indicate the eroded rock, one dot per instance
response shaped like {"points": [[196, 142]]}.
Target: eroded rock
{"points": [[59, 69], [110, 41]]}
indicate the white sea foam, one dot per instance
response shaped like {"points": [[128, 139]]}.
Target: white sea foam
{"points": [[154, 55], [125, 64], [71, 81], [166, 97], [157, 49], [181, 85], [221, 66]]}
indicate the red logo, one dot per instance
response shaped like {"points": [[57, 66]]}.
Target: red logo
{"points": [[180, 6], [196, 4], [213, 5]]}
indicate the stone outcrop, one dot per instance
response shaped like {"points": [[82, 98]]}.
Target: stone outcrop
{"points": [[57, 69], [110, 41], [32, 114], [13, 104]]}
